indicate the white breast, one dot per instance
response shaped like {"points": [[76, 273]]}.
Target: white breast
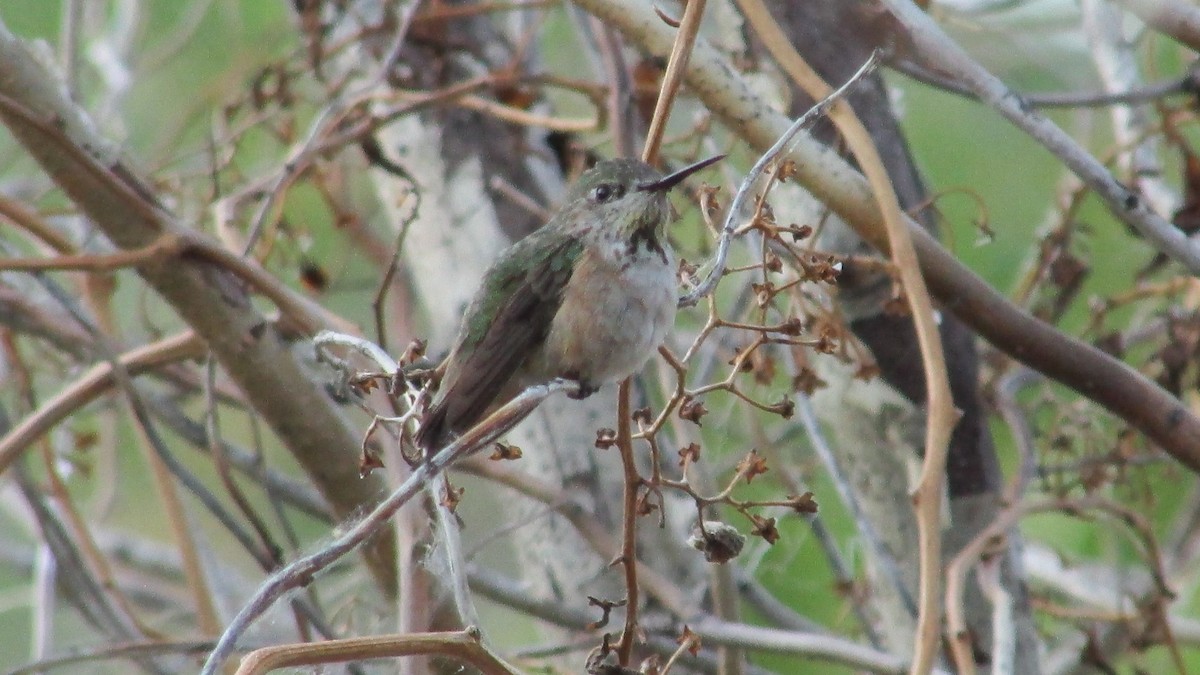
{"points": [[615, 314]]}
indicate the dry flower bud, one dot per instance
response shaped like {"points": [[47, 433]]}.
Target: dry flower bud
{"points": [[718, 541], [691, 410], [504, 451], [606, 438]]}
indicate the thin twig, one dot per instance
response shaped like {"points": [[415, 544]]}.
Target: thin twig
{"points": [[1149, 93], [91, 385], [32, 222], [934, 47], [686, 644], [270, 554], [705, 287], [112, 652], [956, 570], [812, 645], [1081, 366], [386, 282], [165, 246], [1004, 623], [456, 561], [1019, 426], [163, 473], [301, 572], [942, 415], [689, 27], [465, 646], [863, 526]]}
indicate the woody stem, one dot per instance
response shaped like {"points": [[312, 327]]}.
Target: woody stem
{"points": [[628, 524]]}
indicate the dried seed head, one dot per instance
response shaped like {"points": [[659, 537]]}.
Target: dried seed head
{"points": [[720, 542]]}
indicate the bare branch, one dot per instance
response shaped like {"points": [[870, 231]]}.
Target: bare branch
{"points": [[1080, 366], [301, 571], [942, 54], [60, 137]]}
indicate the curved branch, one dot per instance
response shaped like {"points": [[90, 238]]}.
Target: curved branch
{"points": [[300, 572], [936, 49], [91, 384], [927, 498], [464, 645], [714, 631], [1084, 368], [208, 297], [1177, 19], [1184, 84]]}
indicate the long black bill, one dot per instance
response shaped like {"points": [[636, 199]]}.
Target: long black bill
{"points": [[667, 182]]}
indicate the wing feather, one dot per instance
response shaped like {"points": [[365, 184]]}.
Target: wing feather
{"points": [[524, 291]]}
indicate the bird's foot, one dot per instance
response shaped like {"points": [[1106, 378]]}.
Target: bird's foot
{"points": [[585, 389]]}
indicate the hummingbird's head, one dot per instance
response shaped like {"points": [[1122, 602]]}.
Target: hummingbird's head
{"points": [[628, 195]]}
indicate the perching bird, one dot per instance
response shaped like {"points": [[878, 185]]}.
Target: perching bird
{"points": [[589, 296]]}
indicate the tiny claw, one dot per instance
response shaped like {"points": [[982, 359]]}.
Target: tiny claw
{"points": [[585, 390]]}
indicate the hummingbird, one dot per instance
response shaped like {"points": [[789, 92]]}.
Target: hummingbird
{"points": [[588, 297]]}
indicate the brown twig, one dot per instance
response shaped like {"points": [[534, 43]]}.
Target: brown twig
{"points": [[622, 115], [33, 223], [689, 641], [91, 385], [594, 532], [956, 571], [125, 650], [271, 555], [630, 485], [1081, 366], [386, 282], [442, 12], [181, 530], [464, 646], [689, 27], [300, 572], [165, 246], [513, 115], [927, 497]]}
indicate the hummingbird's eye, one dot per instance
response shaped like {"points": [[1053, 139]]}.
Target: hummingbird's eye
{"points": [[606, 191]]}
